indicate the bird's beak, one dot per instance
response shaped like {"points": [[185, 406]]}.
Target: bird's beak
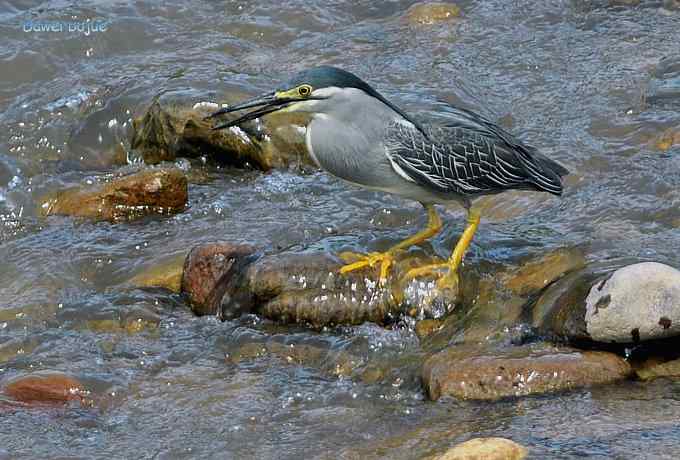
{"points": [[266, 103]]}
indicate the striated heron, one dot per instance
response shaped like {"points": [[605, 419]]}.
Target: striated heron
{"points": [[358, 135]]}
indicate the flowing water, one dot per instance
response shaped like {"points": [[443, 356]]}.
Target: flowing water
{"points": [[592, 83]]}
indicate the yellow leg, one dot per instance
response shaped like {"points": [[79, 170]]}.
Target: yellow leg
{"points": [[450, 279], [434, 225]]}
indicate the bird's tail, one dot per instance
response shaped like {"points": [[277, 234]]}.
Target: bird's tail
{"points": [[544, 173]]}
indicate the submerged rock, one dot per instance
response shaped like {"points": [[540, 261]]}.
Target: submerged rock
{"points": [[654, 369], [431, 13], [664, 87], [45, 388], [130, 320], [495, 300], [166, 274], [482, 374], [166, 132], [295, 351], [636, 303], [155, 191], [485, 449], [535, 274], [667, 139]]}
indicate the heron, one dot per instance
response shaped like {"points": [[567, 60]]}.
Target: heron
{"points": [[358, 135]]}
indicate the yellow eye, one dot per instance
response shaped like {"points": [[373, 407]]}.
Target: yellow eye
{"points": [[304, 90]]}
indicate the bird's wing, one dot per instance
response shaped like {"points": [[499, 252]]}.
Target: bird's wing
{"points": [[471, 157]]}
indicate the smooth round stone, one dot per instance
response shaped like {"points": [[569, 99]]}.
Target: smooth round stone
{"points": [[431, 13], [638, 302], [486, 449]]}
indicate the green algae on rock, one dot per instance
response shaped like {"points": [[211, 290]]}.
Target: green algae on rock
{"points": [[165, 274], [536, 273]]}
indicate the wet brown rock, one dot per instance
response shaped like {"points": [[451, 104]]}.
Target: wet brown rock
{"points": [[307, 289], [46, 388], [431, 13], [166, 274], [166, 132], [485, 449], [533, 275], [208, 271], [655, 368], [467, 373], [154, 191]]}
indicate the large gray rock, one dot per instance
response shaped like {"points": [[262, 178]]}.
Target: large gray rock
{"points": [[638, 302]]}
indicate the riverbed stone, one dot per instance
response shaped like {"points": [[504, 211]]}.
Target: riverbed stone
{"points": [[306, 288], [168, 131], [495, 298], [150, 191], [560, 309], [208, 269], [479, 374], [667, 139], [534, 274], [636, 303], [45, 388], [485, 449], [165, 274], [428, 13], [655, 368]]}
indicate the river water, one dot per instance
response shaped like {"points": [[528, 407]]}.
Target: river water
{"points": [[594, 84]]}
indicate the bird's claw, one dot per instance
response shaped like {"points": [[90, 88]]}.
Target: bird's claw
{"points": [[385, 259], [445, 279]]}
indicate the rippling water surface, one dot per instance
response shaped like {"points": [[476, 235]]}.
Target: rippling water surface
{"points": [[592, 83]]}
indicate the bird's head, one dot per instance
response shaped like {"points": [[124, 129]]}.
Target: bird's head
{"points": [[319, 90]]}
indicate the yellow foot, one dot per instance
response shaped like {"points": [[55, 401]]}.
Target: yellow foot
{"points": [[445, 279], [385, 259]]}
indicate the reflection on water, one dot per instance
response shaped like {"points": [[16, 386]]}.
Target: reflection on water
{"points": [[593, 84]]}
